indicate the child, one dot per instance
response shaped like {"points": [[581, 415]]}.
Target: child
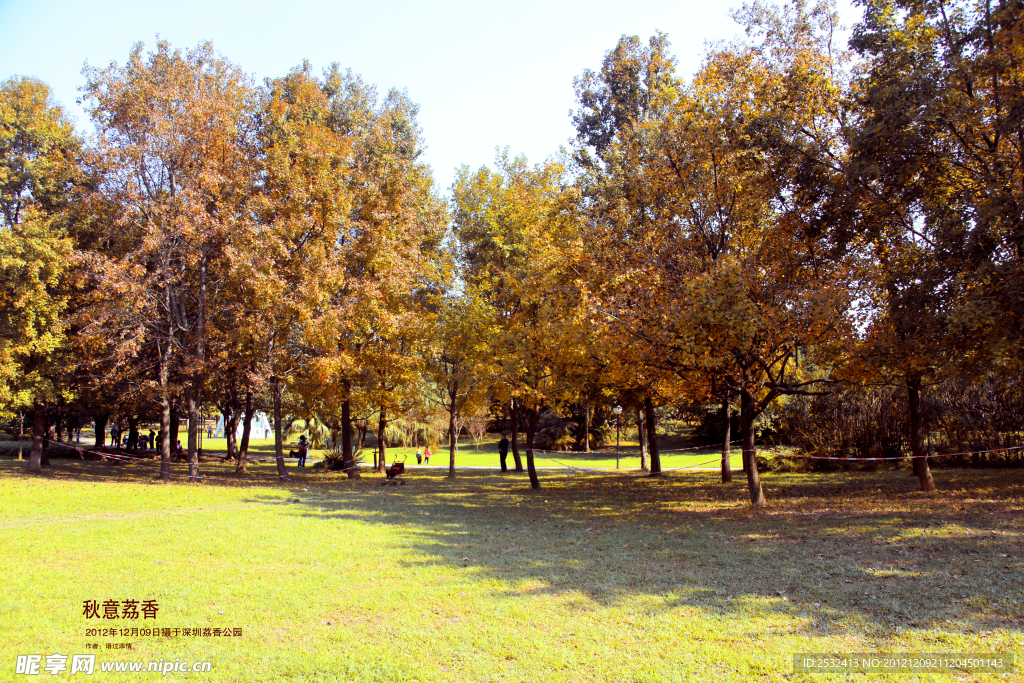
{"points": [[426, 456], [419, 455]]}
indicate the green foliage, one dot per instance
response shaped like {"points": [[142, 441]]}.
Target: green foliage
{"points": [[938, 165], [39, 153], [334, 458]]}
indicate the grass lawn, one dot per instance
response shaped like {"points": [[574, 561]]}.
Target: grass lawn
{"points": [[486, 455], [602, 577]]}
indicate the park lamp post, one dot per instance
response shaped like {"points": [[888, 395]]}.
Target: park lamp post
{"points": [[617, 410]]}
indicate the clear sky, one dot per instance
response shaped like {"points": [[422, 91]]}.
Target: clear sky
{"points": [[485, 74]]}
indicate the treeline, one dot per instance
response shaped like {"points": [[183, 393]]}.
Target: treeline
{"points": [[799, 221]]}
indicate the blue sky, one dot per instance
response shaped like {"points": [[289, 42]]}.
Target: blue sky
{"points": [[485, 74]]}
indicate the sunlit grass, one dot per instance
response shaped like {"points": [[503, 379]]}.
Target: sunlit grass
{"points": [[592, 578], [485, 455]]}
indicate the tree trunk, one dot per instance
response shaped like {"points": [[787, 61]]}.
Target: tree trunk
{"points": [[924, 472], [586, 428], [101, 430], [45, 458], [193, 401], [642, 436], [166, 416], [231, 428], [21, 433], [532, 420], [452, 436], [727, 439], [133, 433], [381, 447], [175, 427], [231, 431], [195, 406], [275, 388], [35, 456], [652, 438], [347, 456], [749, 452], [515, 436], [243, 449]]}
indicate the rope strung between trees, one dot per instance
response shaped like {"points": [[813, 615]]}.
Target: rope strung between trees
{"points": [[902, 457]]}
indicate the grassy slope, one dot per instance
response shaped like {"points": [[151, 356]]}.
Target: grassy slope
{"points": [[602, 578]]}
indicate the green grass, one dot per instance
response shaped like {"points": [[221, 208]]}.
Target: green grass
{"points": [[629, 457], [486, 455], [597, 578]]}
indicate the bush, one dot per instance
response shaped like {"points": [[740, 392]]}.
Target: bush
{"points": [[335, 461], [558, 432], [853, 422], [873, 422], [977, 416]]}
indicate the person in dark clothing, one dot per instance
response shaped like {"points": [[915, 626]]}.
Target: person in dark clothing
{"points": [[503, 452], [303, 449]]}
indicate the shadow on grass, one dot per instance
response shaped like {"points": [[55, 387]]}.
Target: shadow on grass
{"points": [[862, 550]]}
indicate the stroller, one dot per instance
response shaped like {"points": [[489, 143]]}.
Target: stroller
{"points": [[394, 473]]}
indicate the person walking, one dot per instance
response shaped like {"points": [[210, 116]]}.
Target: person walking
{"points": [[426, 456], [419, 455], [503, 451], [303, 449]]}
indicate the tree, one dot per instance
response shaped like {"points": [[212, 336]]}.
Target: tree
{"points": [[636, 83], [174, 151], [457, 367], [39, 164], [351, 225], [710, 249], [936, 169], [939, 138], [519, 235]]}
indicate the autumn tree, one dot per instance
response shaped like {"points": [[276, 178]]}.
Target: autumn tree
{"points": [[348, 225], [710, 250], [458, 364], [173, 146], [518, 233]]}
